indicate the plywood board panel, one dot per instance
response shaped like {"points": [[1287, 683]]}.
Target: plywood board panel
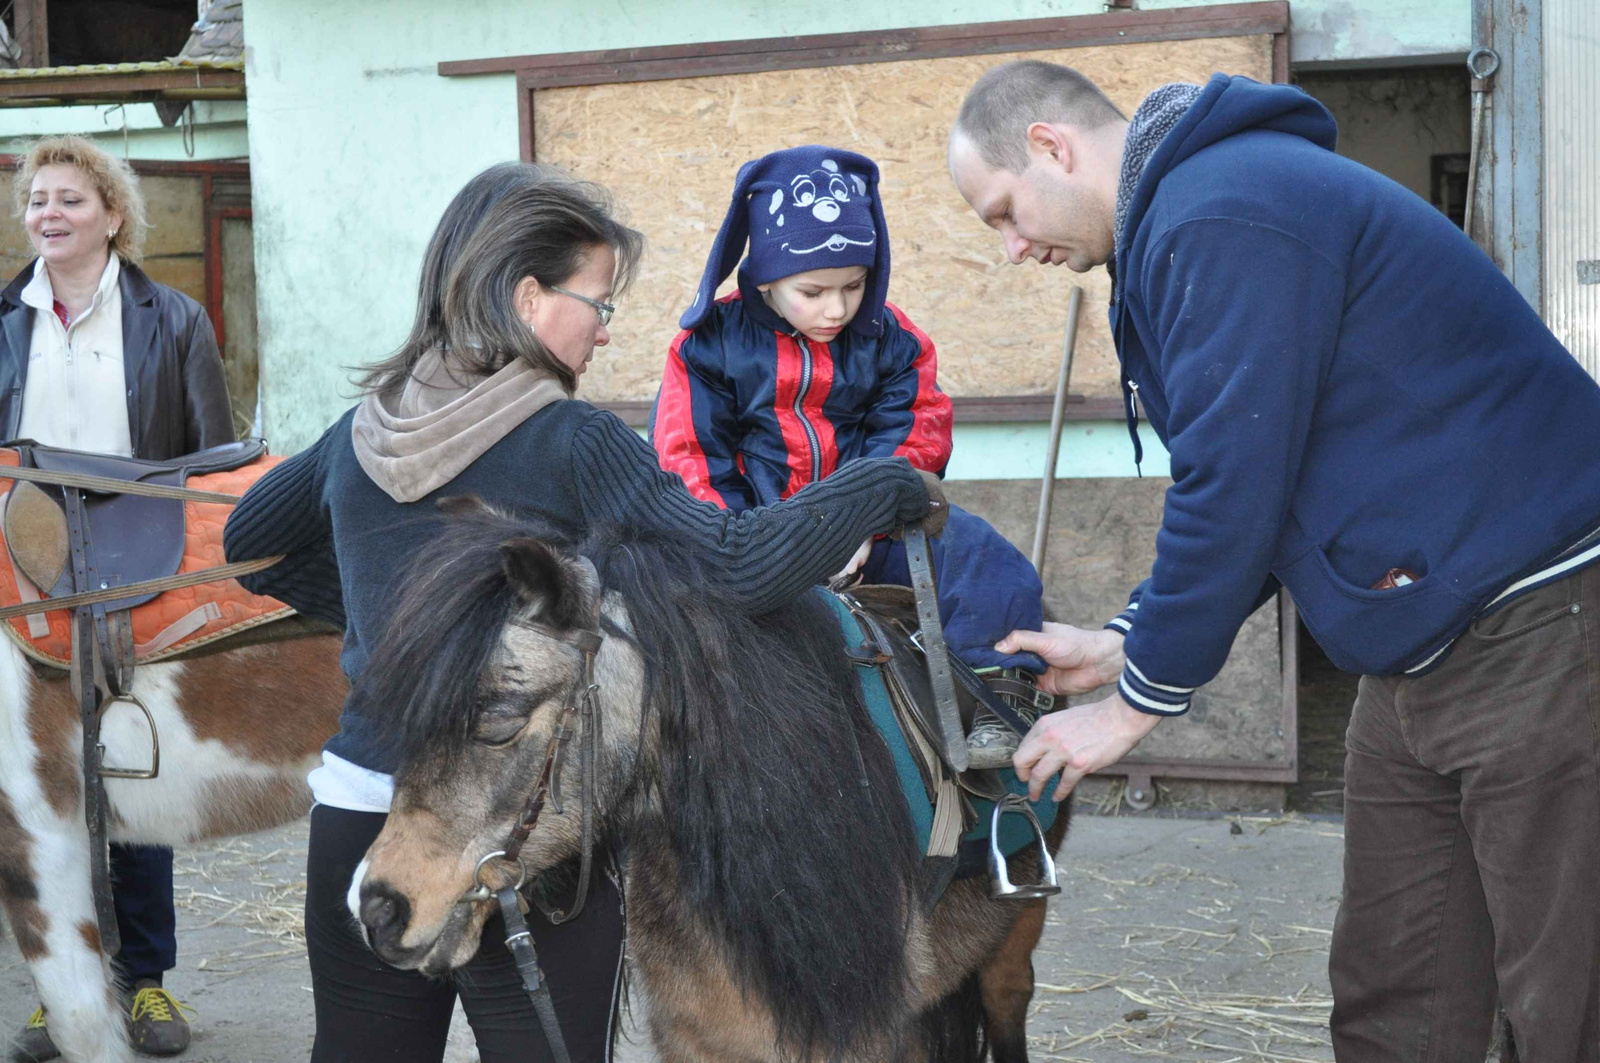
{"points": [[670, 150]]}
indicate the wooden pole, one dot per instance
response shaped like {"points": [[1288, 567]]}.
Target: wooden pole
{"points": [[1041, 532], [33, 33]]}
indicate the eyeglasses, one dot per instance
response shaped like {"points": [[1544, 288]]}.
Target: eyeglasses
{"points": [[605, 310]]}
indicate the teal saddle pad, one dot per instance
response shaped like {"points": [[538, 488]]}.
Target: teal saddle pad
{"points": [[1015, 833]]}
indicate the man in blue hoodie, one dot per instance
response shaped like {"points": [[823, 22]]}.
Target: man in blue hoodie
{"points": [[1359, 407]]}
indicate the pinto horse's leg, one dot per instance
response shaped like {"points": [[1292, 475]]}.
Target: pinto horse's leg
{"points": [[70, 972], [44, 867]]}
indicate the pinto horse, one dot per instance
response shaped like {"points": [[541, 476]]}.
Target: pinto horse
{"points": [[239, 729], [776, 901]]}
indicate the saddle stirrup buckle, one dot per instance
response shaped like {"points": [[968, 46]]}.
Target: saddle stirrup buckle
{"points": [[155, 743], [1001, 887]]}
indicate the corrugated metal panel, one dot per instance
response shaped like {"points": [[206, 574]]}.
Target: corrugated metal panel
{"points": [[1572, 176]]}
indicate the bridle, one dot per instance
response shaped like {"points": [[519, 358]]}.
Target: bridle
{"points": [[581, 710]]}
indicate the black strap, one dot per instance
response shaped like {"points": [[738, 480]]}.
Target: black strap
{"points": [[519, 941], [87, 689], [919, 559], [974, 685]]}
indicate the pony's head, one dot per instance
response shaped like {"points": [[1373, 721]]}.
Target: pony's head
{"points": [[480, 660], [737, 766]]}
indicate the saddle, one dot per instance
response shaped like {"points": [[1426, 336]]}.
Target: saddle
{"points": [[129, 538], [961, 816], [98, 547]]}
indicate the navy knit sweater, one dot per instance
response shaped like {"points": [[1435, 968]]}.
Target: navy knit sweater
{"points": [[570, 466]]}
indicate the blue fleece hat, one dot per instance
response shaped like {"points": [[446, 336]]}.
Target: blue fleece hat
{"points": [[802, 209]]}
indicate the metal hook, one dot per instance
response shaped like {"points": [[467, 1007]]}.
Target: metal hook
{"points": [[1480, 54]]}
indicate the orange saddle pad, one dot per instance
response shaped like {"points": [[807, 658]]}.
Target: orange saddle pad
{"points": [[172, 622]]}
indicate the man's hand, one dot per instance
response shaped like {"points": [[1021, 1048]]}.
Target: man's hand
{"points": [[1079, 660], [1077, 742]]}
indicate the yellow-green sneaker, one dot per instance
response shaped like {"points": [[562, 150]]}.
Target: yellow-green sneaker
{"points": [[156, 1024], [33, 1044]]}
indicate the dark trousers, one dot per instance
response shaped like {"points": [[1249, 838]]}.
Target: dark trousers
{"points": [[1472, 844], [141, 877], [367, 1010], [986, 588]]}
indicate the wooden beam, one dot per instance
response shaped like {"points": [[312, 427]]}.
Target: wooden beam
{"points": [[562, 69], [33, 32], [168, 167], [121, 86]]}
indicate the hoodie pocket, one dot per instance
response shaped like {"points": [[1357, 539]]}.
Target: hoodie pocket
{"points": [[1372, 632]]}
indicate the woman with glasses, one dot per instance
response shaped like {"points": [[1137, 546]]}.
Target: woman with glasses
{"points": [[515, 295]]}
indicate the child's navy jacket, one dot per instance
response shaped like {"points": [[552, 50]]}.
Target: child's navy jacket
{"points": [[750, 411], [1346, 385]]}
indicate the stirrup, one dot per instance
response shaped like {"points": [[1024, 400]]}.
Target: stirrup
{"points": [[1001, 887]]}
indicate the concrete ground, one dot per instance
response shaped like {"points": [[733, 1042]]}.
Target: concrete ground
{"points": [[1173, 938]]}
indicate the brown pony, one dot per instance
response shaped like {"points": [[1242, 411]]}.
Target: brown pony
{"points": [[239, 729], [775, 905]]}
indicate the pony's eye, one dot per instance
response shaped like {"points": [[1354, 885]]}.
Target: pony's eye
{"points": [[498, 730]]}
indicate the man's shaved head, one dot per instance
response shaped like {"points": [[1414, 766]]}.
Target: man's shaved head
{"points": [[1009, 98]]}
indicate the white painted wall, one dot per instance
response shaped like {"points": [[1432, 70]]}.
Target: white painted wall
{"points": [[356, 145]]}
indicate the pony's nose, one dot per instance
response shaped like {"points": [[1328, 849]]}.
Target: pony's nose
{"points": [[384, 912]]}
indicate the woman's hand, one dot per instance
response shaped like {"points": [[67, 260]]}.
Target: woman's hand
{"points": [[938, 505], [1079, 660]]}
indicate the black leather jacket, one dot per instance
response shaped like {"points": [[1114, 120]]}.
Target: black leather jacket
{"points": [[177, 396]]}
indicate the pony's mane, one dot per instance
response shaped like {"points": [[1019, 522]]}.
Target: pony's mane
{"points": [[781, 810]]}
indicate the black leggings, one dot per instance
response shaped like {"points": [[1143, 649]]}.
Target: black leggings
{"points": [[368, 1010]]}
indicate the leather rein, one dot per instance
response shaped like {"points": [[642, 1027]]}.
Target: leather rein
{"points": [[581, 711]]}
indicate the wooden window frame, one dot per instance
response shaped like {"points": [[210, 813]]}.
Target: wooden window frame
{"points": [[617, 65]]}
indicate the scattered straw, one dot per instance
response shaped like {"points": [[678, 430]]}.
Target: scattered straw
{"points": [[260, 893]]}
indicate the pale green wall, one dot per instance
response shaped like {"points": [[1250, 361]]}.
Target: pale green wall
{"points": [[134, 131], [357, 144]]}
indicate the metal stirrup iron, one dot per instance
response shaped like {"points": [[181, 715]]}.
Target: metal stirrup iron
{"points": [[1002, 887]]}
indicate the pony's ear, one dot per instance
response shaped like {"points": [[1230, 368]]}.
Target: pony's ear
{"points": [[549, 584], [463, 506]]}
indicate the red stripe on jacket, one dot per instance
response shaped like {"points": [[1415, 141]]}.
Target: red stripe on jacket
{"points": [[797, 447], [928, 444], [675, 439], [821, 388]]}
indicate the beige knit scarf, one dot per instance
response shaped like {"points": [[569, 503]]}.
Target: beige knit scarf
{"points": [[417, 440]]}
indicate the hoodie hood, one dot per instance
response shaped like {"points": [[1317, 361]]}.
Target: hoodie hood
{"points": [[1227, 105], [414, 440]]}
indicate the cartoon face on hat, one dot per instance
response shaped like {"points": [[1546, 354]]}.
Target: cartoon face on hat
{"points": [[820, 196], [801, 209]]}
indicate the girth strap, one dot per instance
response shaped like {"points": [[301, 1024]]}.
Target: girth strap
{"points": [[141, 588], [110, 485]]}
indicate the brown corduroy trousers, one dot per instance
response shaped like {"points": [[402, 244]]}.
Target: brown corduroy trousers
{"points": [[1472, 844]]}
